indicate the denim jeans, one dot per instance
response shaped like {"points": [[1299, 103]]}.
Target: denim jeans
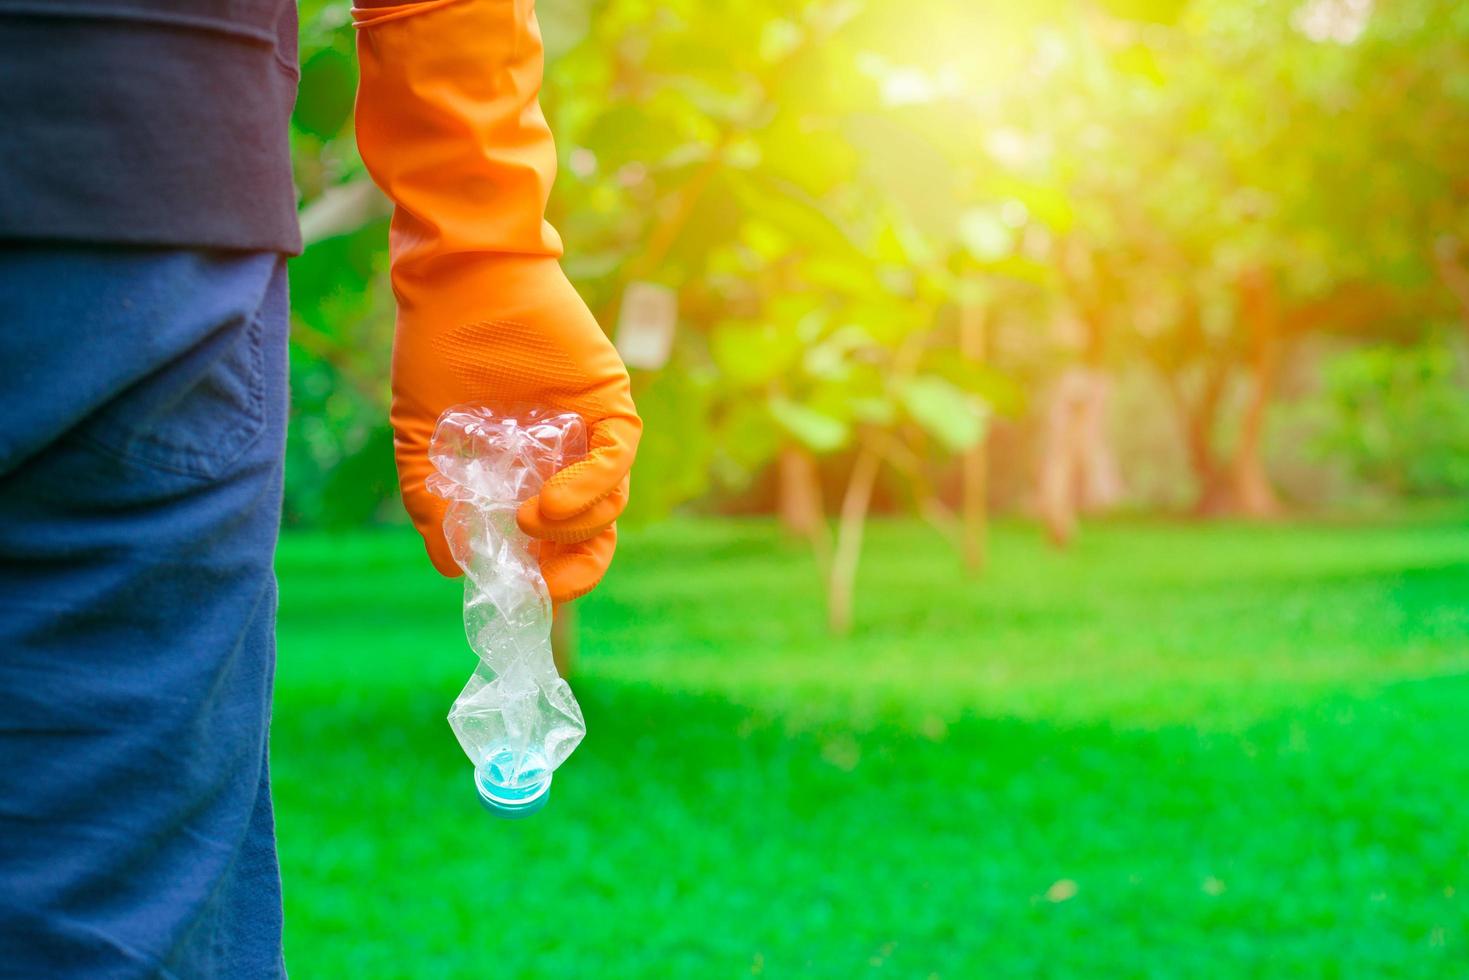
{"points": [[142, 420]]}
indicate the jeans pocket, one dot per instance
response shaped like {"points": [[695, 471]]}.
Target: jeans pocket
{"points": [[195, 415]]}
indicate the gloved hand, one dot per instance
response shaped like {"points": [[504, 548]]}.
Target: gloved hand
{"points": [[449, 126]]}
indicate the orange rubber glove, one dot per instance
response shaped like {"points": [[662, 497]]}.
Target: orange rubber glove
{"points": [[449, 126]]}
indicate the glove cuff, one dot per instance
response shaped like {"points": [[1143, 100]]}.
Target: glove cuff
{"points": [[450, 127]]}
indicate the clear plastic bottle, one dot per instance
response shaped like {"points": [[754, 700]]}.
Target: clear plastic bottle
{"points": [[516, 718]]}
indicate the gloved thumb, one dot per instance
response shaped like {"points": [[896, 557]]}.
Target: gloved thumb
{"points": [[573, 570], [578, 488]]}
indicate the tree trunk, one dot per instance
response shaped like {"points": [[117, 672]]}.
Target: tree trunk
{"points": [[842, 571], [843, 575], [975, 508], [798, 491], [1254, 495], [1449, 253], [801, 509], [1101, 478], [975, 473], [1078, 471], [1060, 472], [1196, 424]]}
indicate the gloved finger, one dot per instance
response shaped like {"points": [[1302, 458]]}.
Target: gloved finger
{"points": [[583, 527], [426, 509], [573, 570], [574, 490]]}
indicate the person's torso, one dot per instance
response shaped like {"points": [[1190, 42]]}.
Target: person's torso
{"points": [[151, 122]]}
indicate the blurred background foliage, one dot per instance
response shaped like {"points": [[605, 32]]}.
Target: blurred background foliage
{"points": [[941, 258], [1209, 256]]}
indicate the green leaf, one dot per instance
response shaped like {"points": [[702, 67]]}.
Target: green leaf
{"points": [[675, 467], [746, 436], [796, 214], [328, 86], [831, 358], [1147, 11], [1002, 392], [753, 353], [1043, 200], [986, 235], [817, 431], [360, 482], [1140, 61], [873, 410], [956, 419]]}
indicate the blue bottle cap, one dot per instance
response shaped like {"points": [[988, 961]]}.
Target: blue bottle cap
{"points": [[516, 798]]}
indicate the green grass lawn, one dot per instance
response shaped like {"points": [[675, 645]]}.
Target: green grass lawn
{"points": [[1177, 751]]}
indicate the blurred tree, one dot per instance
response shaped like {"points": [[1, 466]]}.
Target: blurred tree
{"points": [[810, 293], [883, 223], [339, 455], [1232, 191], [1400, 418]]}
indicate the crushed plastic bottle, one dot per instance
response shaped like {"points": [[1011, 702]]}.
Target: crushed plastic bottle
{"points": [[516, 719]]}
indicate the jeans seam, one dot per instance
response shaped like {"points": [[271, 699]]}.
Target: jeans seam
{"points": [[206, 466]]}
